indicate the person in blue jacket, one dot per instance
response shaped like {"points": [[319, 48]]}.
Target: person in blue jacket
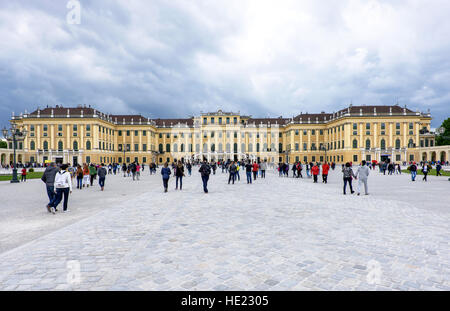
{"points": [[165, 172]]}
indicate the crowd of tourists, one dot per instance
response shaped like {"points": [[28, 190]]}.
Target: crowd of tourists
{"points": [[60, 178]]}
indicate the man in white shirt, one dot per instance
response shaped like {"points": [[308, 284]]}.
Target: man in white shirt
{"points": [[362, 174]]}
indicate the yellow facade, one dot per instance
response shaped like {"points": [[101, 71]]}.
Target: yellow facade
{"points": [[80, 135]]}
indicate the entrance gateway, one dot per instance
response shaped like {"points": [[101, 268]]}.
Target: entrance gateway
{"points": [[385, 157]]}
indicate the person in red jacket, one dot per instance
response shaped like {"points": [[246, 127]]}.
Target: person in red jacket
{"points": [[325, 169], [255, 170], [315, 171], [24, 174]]}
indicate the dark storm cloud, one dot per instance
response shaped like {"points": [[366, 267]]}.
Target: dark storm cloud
{"points": [[176, 58]]}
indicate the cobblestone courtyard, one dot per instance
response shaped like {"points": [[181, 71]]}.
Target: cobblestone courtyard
{"points": [[276, 234]]}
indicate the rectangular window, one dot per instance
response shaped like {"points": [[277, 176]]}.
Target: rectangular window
{"points": [[136, 147], [32, 128], [128, 147], [168, 135], [355, 158], [75, 128], [144, 147], [228, 120], [220, 120], [144, 133], [60, 128], [128, 133], [313, 132], [212, 120], [321, 132], [45, 127], [120, 133], [205, 121], [296, 132], [305, 132], [235, 120], [136, 133]]}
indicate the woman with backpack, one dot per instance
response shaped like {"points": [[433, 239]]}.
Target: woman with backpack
{"points": [[179, 174], [79, 173], [426, 168], [165, 172], [348, 176]]}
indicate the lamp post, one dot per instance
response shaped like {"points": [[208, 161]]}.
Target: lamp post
{"points": [[15, 136]]}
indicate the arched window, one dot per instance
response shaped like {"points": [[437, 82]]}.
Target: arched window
{"points": [[242, 147], [257, 147], [235, 148], [205, 147], [175, 147], [355, 144], [167, 147], [160, 148], [228, 148], [220, 148], [32, 145], [46, 145], [411, 143], [250, 148], [397, 144], [182, 148], [88, 145], [368, 144], [60, 146], [383, 144], [75, 145], [213, 148]]}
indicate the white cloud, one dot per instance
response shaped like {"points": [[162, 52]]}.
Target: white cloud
{"points": [[173, 58]]}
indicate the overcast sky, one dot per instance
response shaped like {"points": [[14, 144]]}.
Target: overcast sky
{"points": [[169, 58]]}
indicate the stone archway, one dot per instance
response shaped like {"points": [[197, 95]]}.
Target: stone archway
{"points": [[442, 156], [433, 156], [3, 158], [424, 156]]}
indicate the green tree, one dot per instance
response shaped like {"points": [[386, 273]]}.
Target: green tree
{"points": [[3, 144], [444, 139]]}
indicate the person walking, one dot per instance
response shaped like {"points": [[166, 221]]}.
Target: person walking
{"points": [[24, 174], [426, 168], [255, 170], [92, 173], [165, 172], [102, 176], [232, 171], [79, 173], [315, 172], [299, 170], [205, 171], [49, 179], [63, 187], [124, 170], [362, 174], [307, 170], [238, 168], [133, 169], [325, 170], [86, 176], [413, 169], [438, 169], [263, 168], [179, 173], [138, 170], [189, 168], [348, 175], [248, 172]]}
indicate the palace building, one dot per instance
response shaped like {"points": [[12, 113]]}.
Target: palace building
{"points": [[86, 135]]}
